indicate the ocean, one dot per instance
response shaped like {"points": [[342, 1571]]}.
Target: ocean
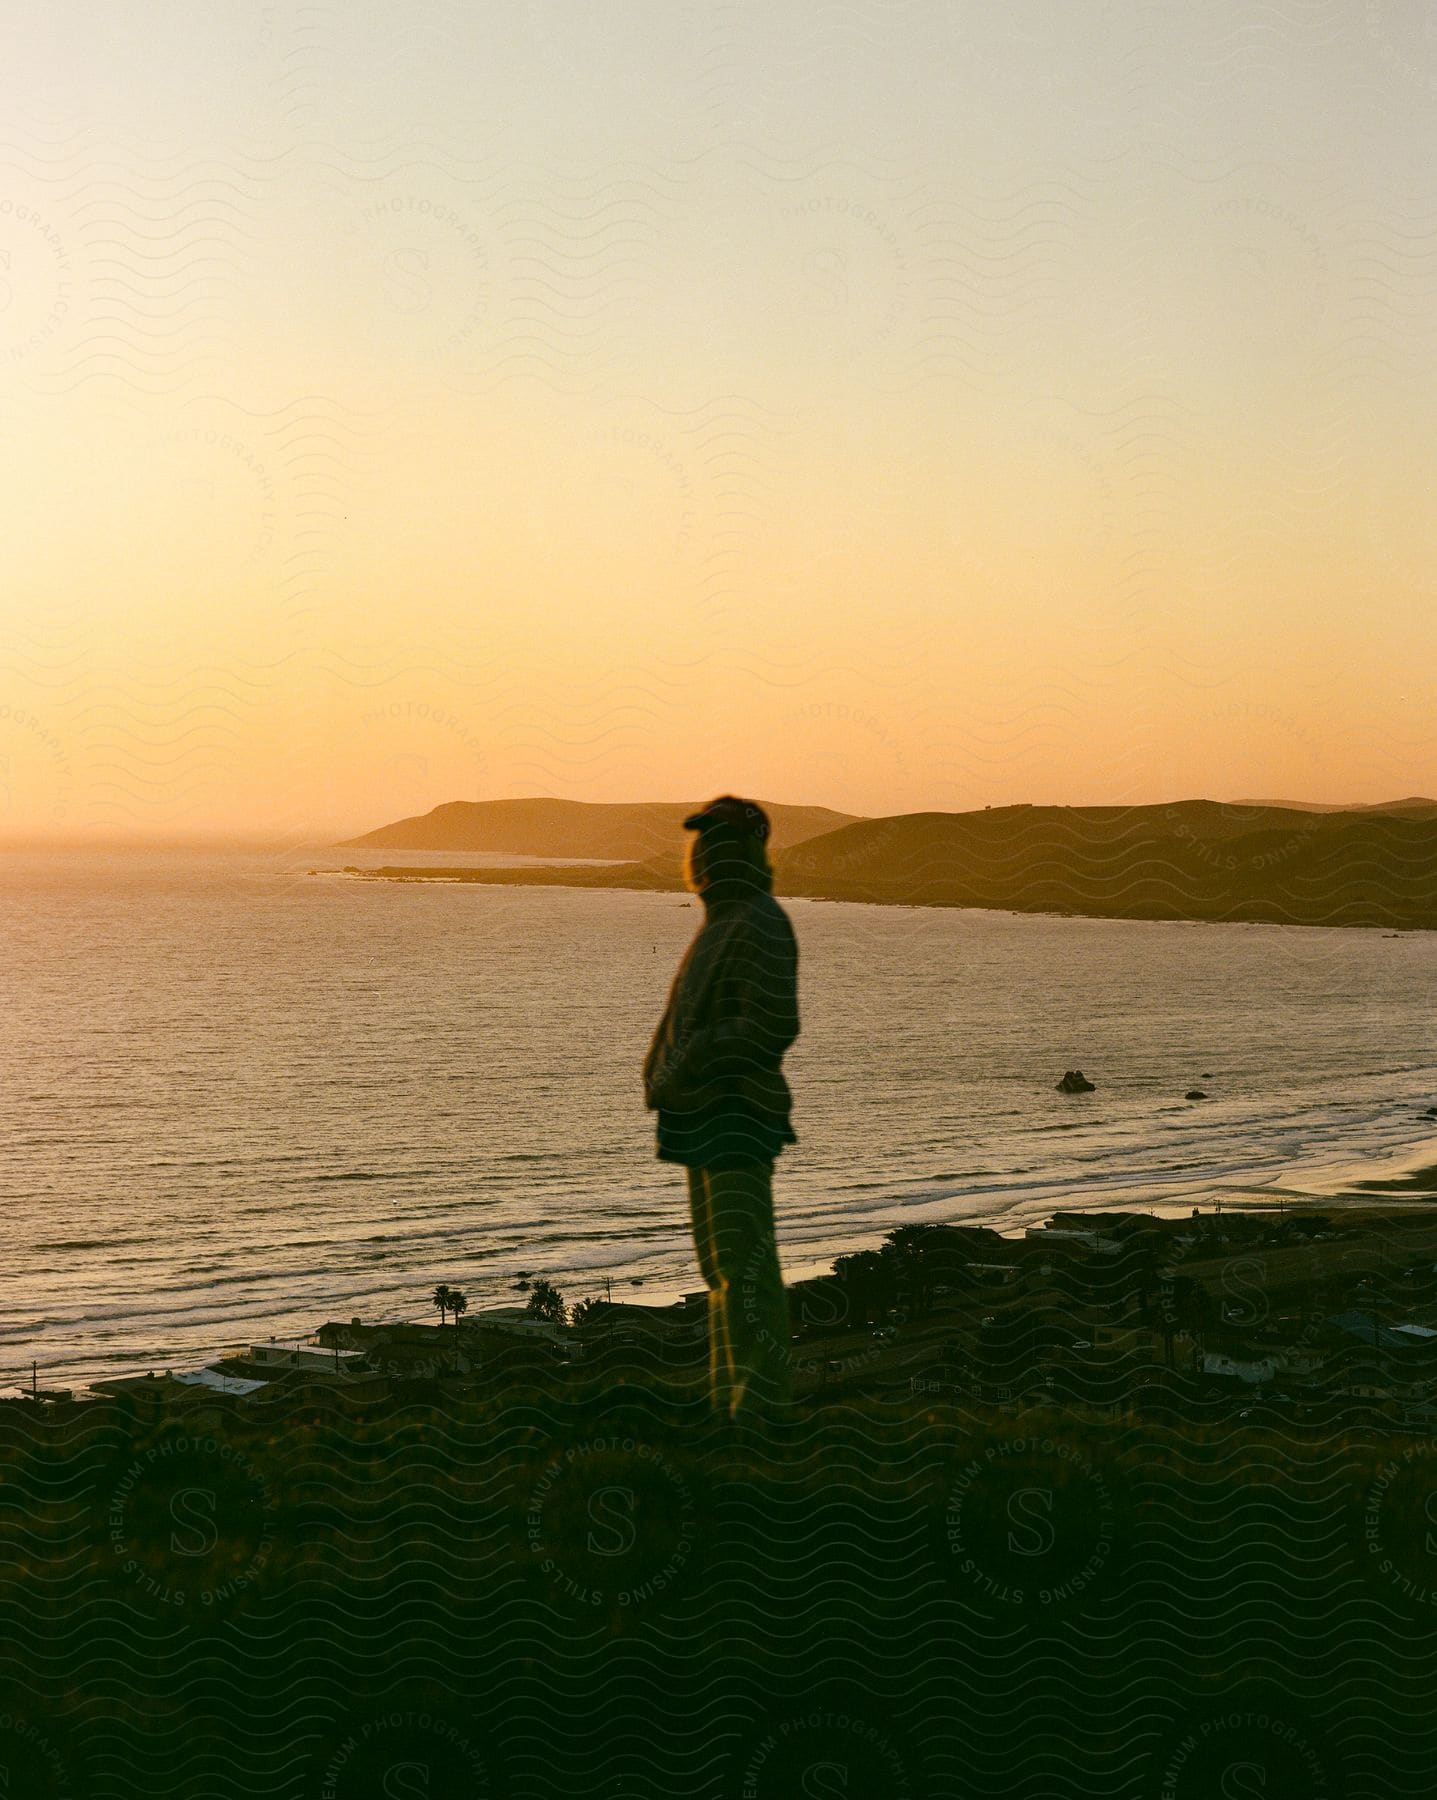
{"points": [[240, 1099]]}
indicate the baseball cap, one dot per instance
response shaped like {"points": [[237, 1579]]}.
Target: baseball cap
{"points": [[746, 816]]}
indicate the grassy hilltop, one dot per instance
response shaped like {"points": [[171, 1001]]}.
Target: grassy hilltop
{"points": [[991, 1557], [1194, 859]]}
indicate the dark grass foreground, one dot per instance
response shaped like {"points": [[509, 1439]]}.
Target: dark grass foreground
{"points": [[603, 1595]]}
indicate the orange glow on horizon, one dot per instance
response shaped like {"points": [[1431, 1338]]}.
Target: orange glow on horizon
{"points": [[540, 420]]}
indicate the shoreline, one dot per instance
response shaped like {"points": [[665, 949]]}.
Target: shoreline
{"points": [[1406, 1187], [1399, 1180], [1404, 1182], [555, 874], [1415, 1185], [1364, 1210], [1408, 1191]]}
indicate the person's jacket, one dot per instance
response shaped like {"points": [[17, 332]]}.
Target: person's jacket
{"points": [[732, 1011]]}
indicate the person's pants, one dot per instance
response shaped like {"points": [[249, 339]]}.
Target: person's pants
{"points": [[749, 1359]]}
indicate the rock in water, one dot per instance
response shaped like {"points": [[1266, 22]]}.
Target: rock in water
{"points": [[1194, 1094], [1075, 1082]]}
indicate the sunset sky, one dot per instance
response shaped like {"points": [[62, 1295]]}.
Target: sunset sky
{"points": [[890, 406]]}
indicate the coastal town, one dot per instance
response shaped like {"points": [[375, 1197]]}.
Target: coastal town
{"points": [[1269, 1314]]}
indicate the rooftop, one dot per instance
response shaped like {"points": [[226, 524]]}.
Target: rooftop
{"points": [[1369, 1330], [221, 1384], [293, 1347]]}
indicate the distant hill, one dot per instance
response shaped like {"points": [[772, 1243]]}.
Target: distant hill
{"points": [[1416, 804], [1193, 859], [634, 831]]}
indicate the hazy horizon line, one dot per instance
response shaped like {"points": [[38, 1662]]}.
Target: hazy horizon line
{"points": [[331, 837]]}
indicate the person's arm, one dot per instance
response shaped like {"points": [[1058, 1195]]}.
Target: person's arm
{"points": [[670, 1054], [752, 1017], [665, 1065], [672, 1074]]}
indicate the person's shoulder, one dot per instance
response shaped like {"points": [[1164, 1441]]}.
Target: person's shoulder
{"points": [[772, 915]]}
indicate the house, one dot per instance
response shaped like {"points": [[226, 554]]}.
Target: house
{"points": [[401, 1349], [517, 1321], [663, 1324], [1260, 1355], [320, 1386], [1251, 1369], [358, 1336], [640, 1336], [1066, 1238], [1108, 1233], [236, 1385], [1367, 1329], [149, 1387], [155, 1391], [279, 1355]]}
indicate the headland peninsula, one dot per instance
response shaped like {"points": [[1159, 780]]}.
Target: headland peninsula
{"points": [[1198, 860]]}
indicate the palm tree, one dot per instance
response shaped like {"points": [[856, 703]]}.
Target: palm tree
{"points": [[546, 1302], [457, 1304], [443, 1294]]}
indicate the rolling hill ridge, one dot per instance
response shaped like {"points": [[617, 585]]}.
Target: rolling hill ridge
{"points": [[1194, 859], [1191, 859], [620, 831]]}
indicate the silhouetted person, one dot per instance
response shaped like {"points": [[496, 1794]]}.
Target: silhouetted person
{"points": [[713, 1076]]}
